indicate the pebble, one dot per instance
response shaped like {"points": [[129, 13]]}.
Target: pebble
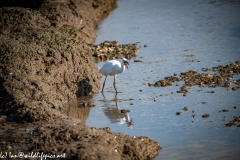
{"points": [[185, 108], [125, 110], [224, 110], [205, 115], [136, 60], [8, 147], [178, 113]]}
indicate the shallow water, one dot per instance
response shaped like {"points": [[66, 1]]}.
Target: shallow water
{"points": [[207, 32]]}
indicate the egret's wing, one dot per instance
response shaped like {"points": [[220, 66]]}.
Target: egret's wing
{"points": [[106, 69]]}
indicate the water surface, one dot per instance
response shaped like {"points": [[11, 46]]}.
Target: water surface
{"points": [[180, 36]]}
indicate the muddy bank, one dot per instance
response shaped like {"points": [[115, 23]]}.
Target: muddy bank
{"points": [[46, 61], [75, 140], [45, 53]]}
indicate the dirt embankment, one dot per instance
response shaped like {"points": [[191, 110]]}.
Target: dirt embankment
{"points": [[45, 56], [45, 61]]}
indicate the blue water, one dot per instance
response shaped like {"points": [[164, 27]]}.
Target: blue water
{"points": [[175, 32]]}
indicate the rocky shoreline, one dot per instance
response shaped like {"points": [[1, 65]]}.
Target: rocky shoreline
{"points": [[46, 60]]}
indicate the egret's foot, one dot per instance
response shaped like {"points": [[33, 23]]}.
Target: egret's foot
{"points": [[103, 95]]}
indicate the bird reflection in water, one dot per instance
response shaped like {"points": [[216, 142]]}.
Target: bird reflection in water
{"points": [[115, 114]]}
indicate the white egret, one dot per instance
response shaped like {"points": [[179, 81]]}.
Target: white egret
{"points": [[112, 68]]}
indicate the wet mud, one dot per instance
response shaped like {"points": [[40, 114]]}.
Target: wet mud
{"points": [[74, 140]]}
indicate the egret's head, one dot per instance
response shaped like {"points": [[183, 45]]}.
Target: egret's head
{"points": [[125, 62]]}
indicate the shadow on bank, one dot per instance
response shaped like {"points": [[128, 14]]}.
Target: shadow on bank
{"points": [[33, 4], [79, 108]]}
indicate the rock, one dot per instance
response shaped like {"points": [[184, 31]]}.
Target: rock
{"points": [[185, 108], [137, 60], [178, 113], [205, 115], [125, 110], [9, 147], [224, 110]]}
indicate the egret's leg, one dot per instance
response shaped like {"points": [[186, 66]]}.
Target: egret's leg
{"points": [[104, 83], [114, 83]]}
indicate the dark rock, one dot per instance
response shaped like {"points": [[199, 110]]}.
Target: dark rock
{"points": [[205, 115]]}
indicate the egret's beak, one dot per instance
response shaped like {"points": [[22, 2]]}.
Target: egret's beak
{"points": [[126, 64]]}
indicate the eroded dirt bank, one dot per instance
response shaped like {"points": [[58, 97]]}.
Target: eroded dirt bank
{"points": [[46, 61]]}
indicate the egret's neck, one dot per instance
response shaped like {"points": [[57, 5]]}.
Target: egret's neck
{"points": [[122, 66]]}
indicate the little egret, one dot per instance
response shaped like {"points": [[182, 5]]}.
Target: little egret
{"points": [[112, 68]]}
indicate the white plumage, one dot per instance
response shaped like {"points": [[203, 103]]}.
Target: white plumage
{"points": [[112, 68]]}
